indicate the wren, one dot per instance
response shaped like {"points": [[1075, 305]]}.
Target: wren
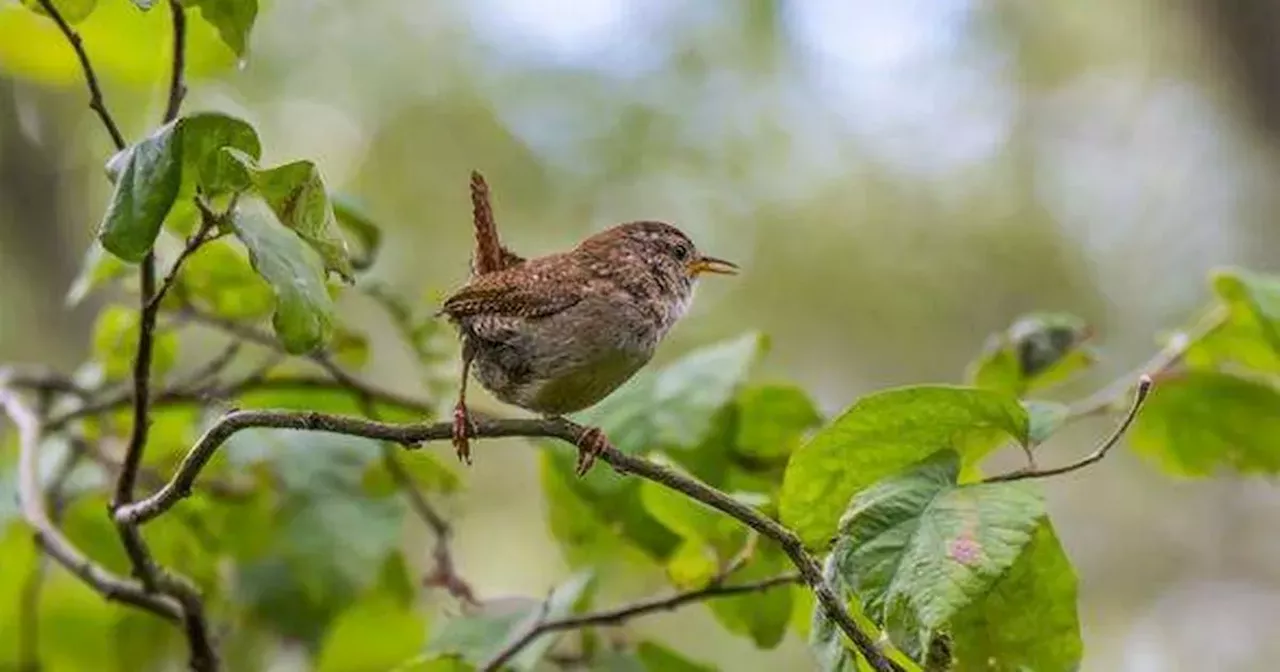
{"points": [[558, 333]]}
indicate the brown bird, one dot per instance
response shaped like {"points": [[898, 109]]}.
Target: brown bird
{"points": [[558, 333]]}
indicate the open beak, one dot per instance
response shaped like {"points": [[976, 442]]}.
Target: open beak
{"points": [[704, 264]]}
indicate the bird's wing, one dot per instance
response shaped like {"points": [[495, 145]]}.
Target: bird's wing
{"points": [[507, 293], [490, 254]]}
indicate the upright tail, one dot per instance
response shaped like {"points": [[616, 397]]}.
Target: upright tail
{"points": [[490, 255]]}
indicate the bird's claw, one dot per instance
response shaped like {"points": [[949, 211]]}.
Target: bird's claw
{"points": [[591, 443], [462, 430]]}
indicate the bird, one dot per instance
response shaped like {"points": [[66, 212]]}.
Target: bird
{"points": [[558, 333]]}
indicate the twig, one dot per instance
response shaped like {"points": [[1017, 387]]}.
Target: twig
{"points": [[96, 101], [1162, 361], [177, 89], [412, 434], [208, 220], [47, 536], [1139, 397], [619, 615]]}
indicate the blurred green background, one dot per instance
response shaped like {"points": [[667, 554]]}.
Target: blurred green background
{"points": [[898, 178]]}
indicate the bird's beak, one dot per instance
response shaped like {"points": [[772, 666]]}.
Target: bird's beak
{"points": [[704, 264]]}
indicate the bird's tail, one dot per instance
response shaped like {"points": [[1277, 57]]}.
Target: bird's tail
{"points": [[490, 255]]}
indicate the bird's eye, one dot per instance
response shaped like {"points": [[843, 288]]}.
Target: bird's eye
{"points": [[683, 252]]}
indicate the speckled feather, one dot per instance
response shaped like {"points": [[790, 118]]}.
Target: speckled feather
{"points": [[556, 334]]}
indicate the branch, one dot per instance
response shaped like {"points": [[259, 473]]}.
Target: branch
{"points": [[50, 539], [620, 615], [96, 102], [1139, 397], [1162, 361], [177, 89], [412, 434], [208, 220]]}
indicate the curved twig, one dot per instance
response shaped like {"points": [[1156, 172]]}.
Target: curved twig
{"points": [[1139, 398]]}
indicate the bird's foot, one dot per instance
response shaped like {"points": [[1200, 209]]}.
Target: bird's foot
{"points": [[591, 444], [462, 430]]}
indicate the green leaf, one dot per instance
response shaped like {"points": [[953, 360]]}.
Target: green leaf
{"points": [[681, 514], [427, 663], [219, 278], [233, 19], [692, 565], [296, 194], [658, 658], [96, 269], [828, 644], [585, 529], [1249, 335], [115, 343], [1252, 293], [376, 633], [72, 11], [328, 540], [916, 548], [355, 220], [350, 349], [674, 406], [883, 433], [427, 471], [149, 180], [772, 419], [304, 313], [995, 634], [1036, 351], [762, 616], [1045, 419], [213, 170], [1200, 422], [477, 637]]}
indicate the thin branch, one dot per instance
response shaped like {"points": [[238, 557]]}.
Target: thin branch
{"points": [[1139, 397], [1162, 361], [624, 613], [177, 89], [208, 220], [412, 434], [47, 536], [96, 101]]}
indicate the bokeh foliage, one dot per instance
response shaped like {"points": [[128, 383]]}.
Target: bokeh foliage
{"points": [[304, 544]]}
